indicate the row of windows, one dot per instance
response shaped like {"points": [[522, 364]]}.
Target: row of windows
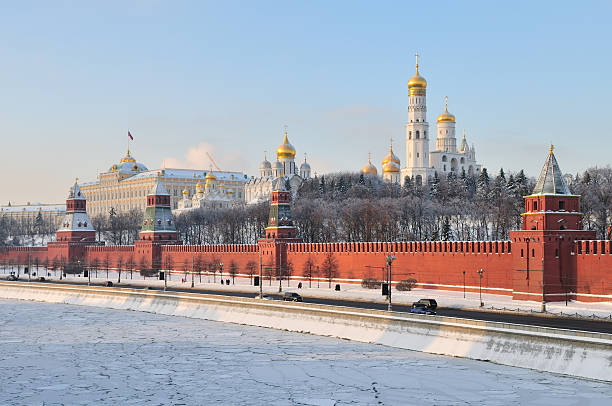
{"points": [[417, 135]]}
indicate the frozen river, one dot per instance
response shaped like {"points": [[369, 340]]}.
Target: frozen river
{"points": [[63, 354]]}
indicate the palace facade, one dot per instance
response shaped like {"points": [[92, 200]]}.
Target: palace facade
{"points": [[125, 185]]}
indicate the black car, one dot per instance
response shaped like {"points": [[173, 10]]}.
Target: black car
{"points": [[420, 308], [292, 297], [109, 283], [428, 303], [12, 277]]}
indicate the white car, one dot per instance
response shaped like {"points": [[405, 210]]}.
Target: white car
{"points": [[263, 297]]}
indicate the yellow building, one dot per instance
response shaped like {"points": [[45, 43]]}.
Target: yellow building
{"points": [[51, 214], [125, 185]]}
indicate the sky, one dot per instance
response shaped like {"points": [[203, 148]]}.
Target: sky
{"points": [[188, 78]]}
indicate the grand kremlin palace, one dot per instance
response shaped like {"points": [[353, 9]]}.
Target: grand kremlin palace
{"points": [[125, 186]]}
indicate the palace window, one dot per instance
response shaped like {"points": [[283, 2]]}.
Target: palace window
{"points": [[417, 135], [561, 205]]}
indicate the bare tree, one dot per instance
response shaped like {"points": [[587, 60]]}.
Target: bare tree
{"points": [[233, 270], [329, 267], [251, 267], [309, 270]]}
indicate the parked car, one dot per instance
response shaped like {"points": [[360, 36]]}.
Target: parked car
{"points": [[108, 283], [263, 297], [429, 303], [42, 279], [12, 277], [292, 297], [420, 308]]}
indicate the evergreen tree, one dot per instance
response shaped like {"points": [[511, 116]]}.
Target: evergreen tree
{"points": [[434, 186], [446, 230], [322, 185], [482, 187], [361, 179]]}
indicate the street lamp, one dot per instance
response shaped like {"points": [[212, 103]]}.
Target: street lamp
{"points": [[390, 258], [464, 284], [480, 272], [221, 270]]}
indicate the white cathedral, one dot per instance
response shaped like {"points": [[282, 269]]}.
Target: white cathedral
{"points": [[258, 189], [422, 164]]}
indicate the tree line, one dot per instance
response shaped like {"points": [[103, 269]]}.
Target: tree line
{"points": [[350, 207]]}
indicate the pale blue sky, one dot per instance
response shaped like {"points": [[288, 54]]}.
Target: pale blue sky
{"points": [[75, 76]]}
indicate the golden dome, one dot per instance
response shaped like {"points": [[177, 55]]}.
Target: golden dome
{"points": [[369, 169], [210, 176], [127, 158], [446, 117], [391, 157], [391, 167], [285, 150], [417, 81], [185, 192]]}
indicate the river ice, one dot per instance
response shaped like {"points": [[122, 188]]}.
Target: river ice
{"points": [[63, 354]]}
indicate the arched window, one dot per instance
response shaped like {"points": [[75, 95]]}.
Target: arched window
{"points": [[409, 135], [417, 135], [443, 158], [424, 134]]}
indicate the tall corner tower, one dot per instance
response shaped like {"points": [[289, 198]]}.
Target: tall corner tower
{"points": [[543, 251], [417, 129], [76, 226]]}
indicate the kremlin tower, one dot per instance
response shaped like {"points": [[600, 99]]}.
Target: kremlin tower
{"points": [[76, 226], [158, 220]]}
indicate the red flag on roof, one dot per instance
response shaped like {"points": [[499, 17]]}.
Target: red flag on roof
{"points": [[130, 135]]}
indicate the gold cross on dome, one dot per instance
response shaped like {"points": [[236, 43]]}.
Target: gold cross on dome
{"points": [[551, 148]]}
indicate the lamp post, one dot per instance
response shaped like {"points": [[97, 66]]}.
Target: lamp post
{"points": [[464, 284], [480, 272], [88, 271], [390, 258], [221, 270]]}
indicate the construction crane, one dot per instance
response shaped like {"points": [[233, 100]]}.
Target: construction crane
{"points": [[213, 161]]}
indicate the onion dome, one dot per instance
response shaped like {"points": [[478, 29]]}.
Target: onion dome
{"points": [[285, 150], [185, 192], [369, 169], [277, 166], [391, 157], [391, 167], [265, 164], [417, 81], [210, 176], [446, 117], [304, 167]]}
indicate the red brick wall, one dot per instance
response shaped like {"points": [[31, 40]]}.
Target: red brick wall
{"points": [[593, 270]]}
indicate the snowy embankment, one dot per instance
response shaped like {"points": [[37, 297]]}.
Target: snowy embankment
{"points": [[561, 351]]}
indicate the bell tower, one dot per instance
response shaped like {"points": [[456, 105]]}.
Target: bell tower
{"points": [[417, 130]]}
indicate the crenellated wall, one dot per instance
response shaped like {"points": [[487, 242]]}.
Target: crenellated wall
{"points": [[593, 267], [434, 264], [579, 270], [186, 257]]}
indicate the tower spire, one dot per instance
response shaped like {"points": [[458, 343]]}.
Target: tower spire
{"points": [[417, 62], [552, 147], [446, 104]]}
